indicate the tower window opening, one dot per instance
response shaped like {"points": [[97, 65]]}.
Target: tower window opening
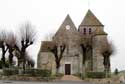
{"points": [[84, 31], [90, 30]]}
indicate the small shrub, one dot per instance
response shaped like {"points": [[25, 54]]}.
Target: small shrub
{"points": [[44, 73], [10, 71], [116, 72], [6, 65], [30, 72], [95, 74], [38, 72]]}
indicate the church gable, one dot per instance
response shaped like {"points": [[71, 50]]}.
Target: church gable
{"points": [[67, 28]]}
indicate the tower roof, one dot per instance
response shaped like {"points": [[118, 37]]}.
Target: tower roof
{"points": [[91, 19]]}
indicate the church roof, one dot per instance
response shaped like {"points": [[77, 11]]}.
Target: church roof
{"points": [[91, 19], [67, 22], [46, 45]]}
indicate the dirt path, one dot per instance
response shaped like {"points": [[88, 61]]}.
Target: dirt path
{"points": [[70, 78]]}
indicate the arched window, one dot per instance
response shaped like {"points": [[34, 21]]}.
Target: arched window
{"points": [[90, 30], [84, 31]]}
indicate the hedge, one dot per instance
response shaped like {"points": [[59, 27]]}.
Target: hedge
{"points": [[95, 74], [28, 72], [10, 71], [38, 72]]}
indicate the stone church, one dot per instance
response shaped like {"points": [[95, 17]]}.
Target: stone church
{"points": [[72, 60]]}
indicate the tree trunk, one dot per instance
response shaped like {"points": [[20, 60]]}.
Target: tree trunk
{"points": [[57, 71], [57, 66], [3, 58], [83, 75], [23, 58], [106, 71], [24, 65], [84, 62], [10, 58], [107, 66], [19, 61]]}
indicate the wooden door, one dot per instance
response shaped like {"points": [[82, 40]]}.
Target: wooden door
{"points": [[67, 69]]}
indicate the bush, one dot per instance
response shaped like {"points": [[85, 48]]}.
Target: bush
{"points": [[6, 65], [116, 72], [44, 73], [31, 72], [10, 71], [38, 72], [28, 72], [95, 74]]}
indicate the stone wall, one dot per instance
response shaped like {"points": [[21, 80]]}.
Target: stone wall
{"points": [[46, 60], [98, 41]]}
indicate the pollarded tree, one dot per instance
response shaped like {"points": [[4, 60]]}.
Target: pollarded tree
{"points": [[107, 50], [86, 46], [27, 38], [3, 46], [56, 48], [10, 42], [58, 54]]}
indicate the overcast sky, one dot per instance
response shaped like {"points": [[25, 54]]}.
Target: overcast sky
{"points": [[47, 16]]}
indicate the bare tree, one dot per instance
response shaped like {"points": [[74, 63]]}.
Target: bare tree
{"points": [[58, 54], [107, 50], [29, 61], [27, 33], [86, 45], [3, 46], [56, 48], [10, 42]]}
